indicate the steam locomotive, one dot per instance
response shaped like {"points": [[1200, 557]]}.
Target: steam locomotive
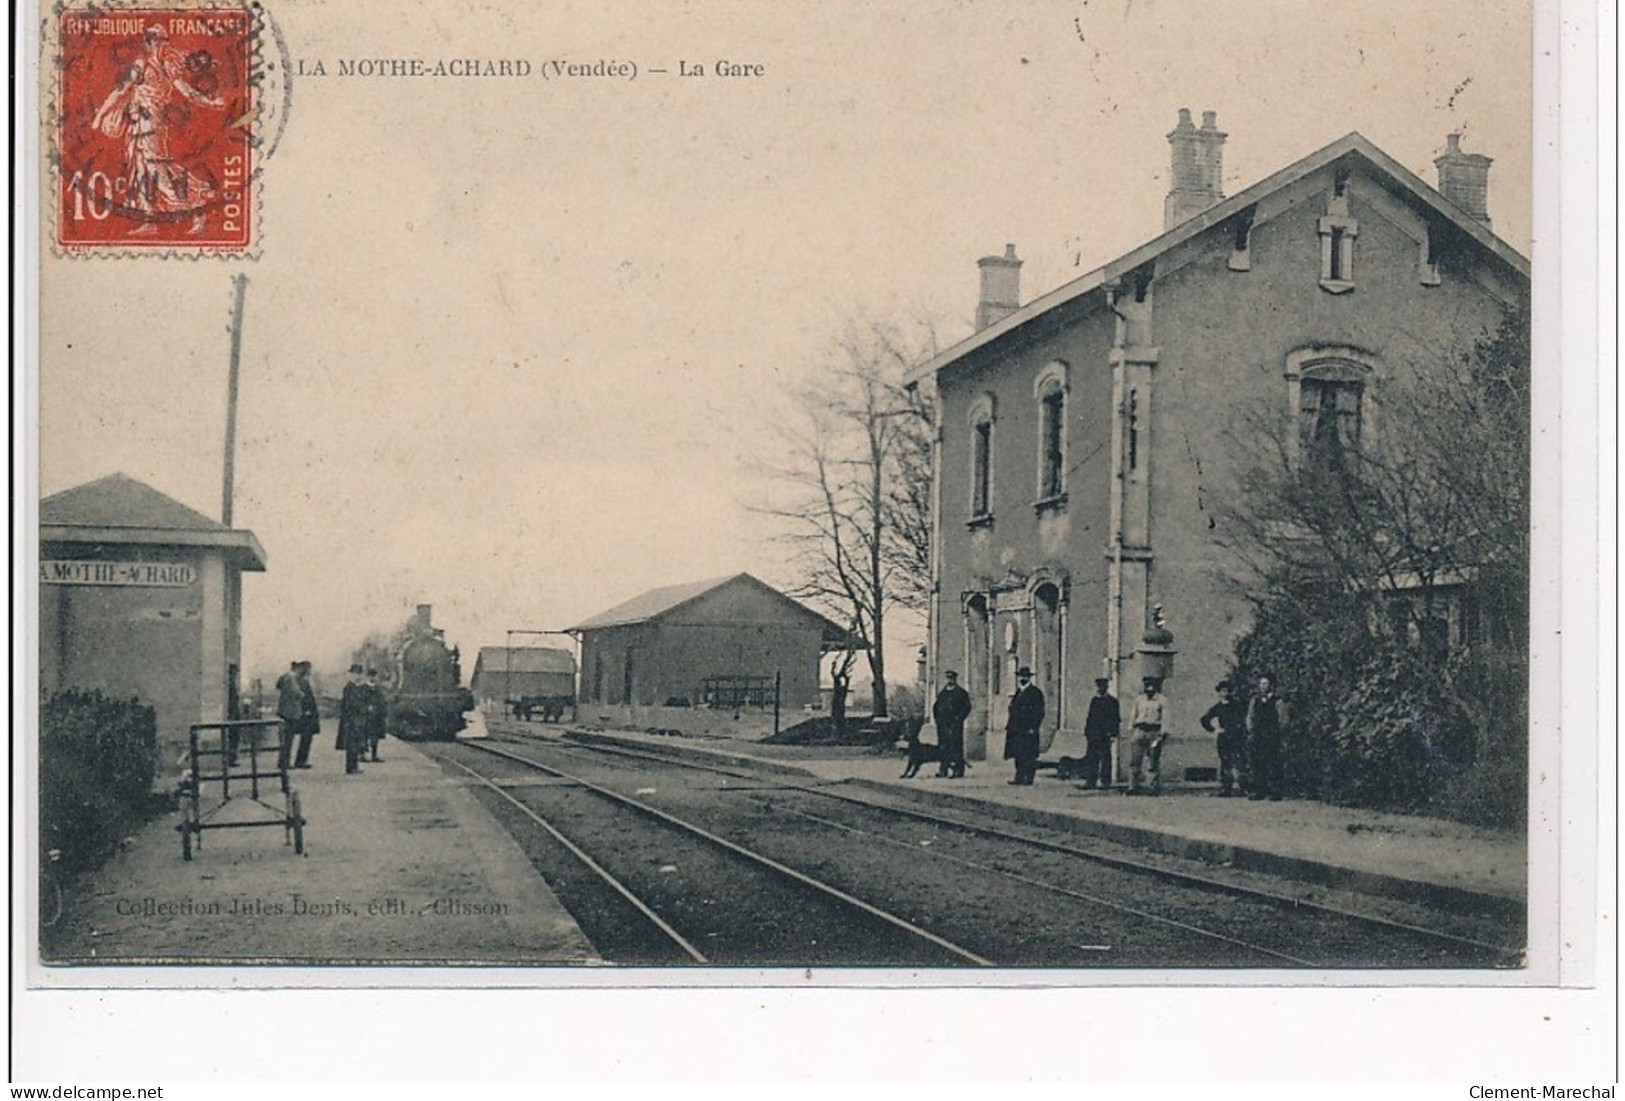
{"points": [[426, 695]]}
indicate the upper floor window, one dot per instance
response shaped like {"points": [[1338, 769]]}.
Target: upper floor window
{"points": [[1338, 230], [1330, 393], [981, 503], [1329, 416], [981, 473], [1050, 390], [1051, 482]]}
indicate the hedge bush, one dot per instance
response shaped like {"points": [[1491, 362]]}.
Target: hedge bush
{"points": [[98, 757], [1375, 725]]}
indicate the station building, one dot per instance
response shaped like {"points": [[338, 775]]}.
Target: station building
{"points": [[1087, 437], [141, 596], [717, 643]]}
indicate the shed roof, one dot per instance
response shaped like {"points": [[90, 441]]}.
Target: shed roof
{"points": [[1399, 179], [525, 659], [119, 509], [657, 603]]}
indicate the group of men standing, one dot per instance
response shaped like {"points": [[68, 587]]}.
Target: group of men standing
{"points": [[301, 718], [1146, 734], [1249, 735], [363, 712], [362, 715], [1249, 740], [953, 707]]}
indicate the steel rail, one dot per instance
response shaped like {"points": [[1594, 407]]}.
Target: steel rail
{"points": [[1118, 862], [1053, 887], [739, 850], [576, 851]]}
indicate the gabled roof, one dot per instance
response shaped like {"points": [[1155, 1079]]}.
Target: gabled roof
{"points": [[1401, 180], [657, 603], [119, 501], [525, 659], [120, 509]]}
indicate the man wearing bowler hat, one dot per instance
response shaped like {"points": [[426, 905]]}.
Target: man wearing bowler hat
{"points": [[1021, 729], [949, 713]]}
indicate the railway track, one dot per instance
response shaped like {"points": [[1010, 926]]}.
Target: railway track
{"points": [[1298, 932], [778, 915]]}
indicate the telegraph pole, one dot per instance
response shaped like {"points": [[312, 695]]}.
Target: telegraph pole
{"points": [[240, 286]]}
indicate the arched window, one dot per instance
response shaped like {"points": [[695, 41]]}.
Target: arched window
{"points": [[981, 474], [1048, 651], [1050, 390], [1330, 394]]}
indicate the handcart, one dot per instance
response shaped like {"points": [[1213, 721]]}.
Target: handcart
{"points": [[218, 759]]}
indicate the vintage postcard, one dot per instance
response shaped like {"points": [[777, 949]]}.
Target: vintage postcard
{"points": [[974, 495]]}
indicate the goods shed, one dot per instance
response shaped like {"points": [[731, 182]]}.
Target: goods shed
{"points": [[720, 642]]}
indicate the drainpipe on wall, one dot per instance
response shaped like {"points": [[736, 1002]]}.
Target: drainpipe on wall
{"points": [[1114, 581], [933, 626]]}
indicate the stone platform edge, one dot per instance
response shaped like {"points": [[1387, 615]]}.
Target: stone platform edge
{"points": [[1301, 869]]}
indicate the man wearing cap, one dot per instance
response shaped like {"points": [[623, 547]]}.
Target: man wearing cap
{"points": [[353, 720], [1100, 727], [296, 706], [1231, 716], [1146, 744], [949, 713], [1021, 729], [377, 713]]}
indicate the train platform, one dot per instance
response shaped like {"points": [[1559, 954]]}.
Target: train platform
{"points": [[402, 865], [1430, 861]]}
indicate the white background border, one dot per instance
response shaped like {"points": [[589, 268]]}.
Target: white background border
{"points": [[1508, 1037]]}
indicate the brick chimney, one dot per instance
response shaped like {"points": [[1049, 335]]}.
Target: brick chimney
{"points": [[1464, 179], [1197, 175], [1001, 287]]}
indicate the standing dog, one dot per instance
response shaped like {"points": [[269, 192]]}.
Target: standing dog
{"points": [[918, 753]]}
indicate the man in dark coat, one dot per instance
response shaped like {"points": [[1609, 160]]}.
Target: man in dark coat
{"points": [[1231, 716], [377, 713], [296, 706], [1021, 730], [1266, 726], [949, 713], [1103, 723], [353, 708]]}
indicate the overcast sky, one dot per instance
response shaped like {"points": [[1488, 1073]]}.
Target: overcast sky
{"points": [[510, 344]]}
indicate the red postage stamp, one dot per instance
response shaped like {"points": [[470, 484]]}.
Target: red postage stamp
{"points": [[154, 119]]}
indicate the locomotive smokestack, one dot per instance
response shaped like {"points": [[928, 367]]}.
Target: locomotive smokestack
{"points": [[424, 618]]}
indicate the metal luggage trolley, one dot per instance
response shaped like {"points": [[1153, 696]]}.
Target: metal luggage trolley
{"points": [[236, 739]]}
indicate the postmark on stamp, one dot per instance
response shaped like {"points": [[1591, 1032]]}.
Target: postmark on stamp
{"points": [[154, 129]]}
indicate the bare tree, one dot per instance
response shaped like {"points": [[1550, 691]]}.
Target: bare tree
{"points": [[853, 484], [1443, 494]]}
